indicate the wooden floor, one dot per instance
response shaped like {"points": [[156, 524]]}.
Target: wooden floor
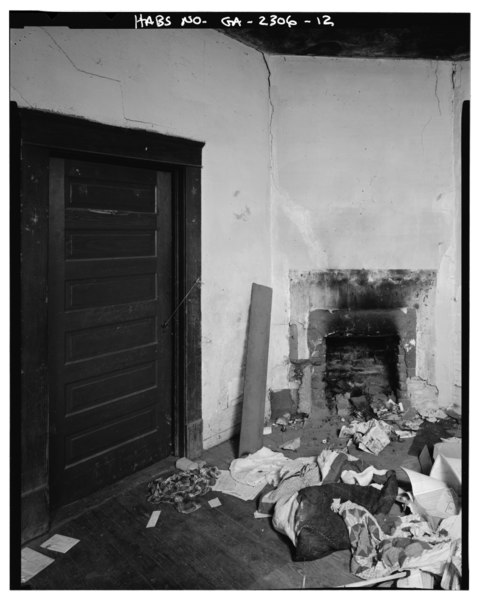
{"points": [[212, 548]]}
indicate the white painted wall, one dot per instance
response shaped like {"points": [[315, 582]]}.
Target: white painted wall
{"points": [[359, 171], [200, 85], [363, 176]]}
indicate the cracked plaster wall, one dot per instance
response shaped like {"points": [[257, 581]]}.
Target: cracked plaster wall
{"points": [[309, 164], [365, 175], [200, 85]]}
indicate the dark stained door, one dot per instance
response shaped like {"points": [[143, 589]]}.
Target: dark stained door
{"points": [[110, 290]]}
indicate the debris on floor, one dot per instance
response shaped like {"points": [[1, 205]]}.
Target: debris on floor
{"points": [[60, 543], [377, 554], [154, 517], [32, 563], [182, 488], [407, 529], [228, 485], [214, 503], [293, 445]]}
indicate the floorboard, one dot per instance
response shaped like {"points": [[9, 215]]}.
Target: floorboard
{"points": [[213, 548]]}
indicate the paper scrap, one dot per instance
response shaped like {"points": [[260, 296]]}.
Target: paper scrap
{"points": [[267, 430], [154, 517], [403, 434], [452, 525], [433, 495], [293, 445], [215, 502], [260, 515], [228, 485], [448, 470], [60, 543], [33, 562]]}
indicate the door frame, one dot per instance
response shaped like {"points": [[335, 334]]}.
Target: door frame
{"points": [[35, 137]]}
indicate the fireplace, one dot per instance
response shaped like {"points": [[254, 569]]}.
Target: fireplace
{"points": [[359, 333], [358, 365]]}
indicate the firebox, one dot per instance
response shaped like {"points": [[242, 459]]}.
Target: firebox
{"points": [[359, 333], [362, 366]]}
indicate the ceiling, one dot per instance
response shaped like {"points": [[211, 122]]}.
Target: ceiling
{"points": [[438, 36]]}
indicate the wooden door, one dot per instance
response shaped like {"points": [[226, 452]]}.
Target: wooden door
{"points": [[110, 290]]}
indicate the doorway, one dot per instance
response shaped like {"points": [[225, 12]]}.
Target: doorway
{"points": [[110, 349]]}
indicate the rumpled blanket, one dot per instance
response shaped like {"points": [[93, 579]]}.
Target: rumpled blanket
{"points": [[375, 554], [181, 488], [292, 482]]}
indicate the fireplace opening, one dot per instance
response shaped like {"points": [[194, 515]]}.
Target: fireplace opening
{"points": [[362, 366]]}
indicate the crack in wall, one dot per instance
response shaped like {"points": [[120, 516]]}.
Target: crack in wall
{"points": [[436, 86], [118, 81], [271, 110], [21, 96]]}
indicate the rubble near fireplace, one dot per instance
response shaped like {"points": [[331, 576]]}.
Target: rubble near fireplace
{"points": [[358, 337]]}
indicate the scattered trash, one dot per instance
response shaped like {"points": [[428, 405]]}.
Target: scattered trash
{"points": [[181, 488], [228, 485], [293, 445], [283, 421], [433, 495], [154, 517], [32, 563], [261, 515], [431, 414], [214, 503], [403, 435], [185, 464], [371, 436], [267, 430], [287, 420], [376, 554], [376, 437], [59, 543]]}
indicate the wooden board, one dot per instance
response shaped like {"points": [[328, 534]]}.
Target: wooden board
{"points": [[256, 369]]}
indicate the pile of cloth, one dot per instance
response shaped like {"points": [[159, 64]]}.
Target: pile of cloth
{"points": [[182, 488], [334, 501]]}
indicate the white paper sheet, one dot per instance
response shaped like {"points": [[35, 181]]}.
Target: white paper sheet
{"points": [[154, 517], [215, 502], [433, 495], [60, 543], [33, 562], [448, 470]]}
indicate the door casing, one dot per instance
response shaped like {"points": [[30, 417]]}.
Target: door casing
{"points": [[36, 136]]}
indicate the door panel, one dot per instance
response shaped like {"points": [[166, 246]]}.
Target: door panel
{"points": [[110, 281]]}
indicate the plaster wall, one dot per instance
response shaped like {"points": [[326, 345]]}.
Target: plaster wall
{"points": [[364, 176], [200, 85]]}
